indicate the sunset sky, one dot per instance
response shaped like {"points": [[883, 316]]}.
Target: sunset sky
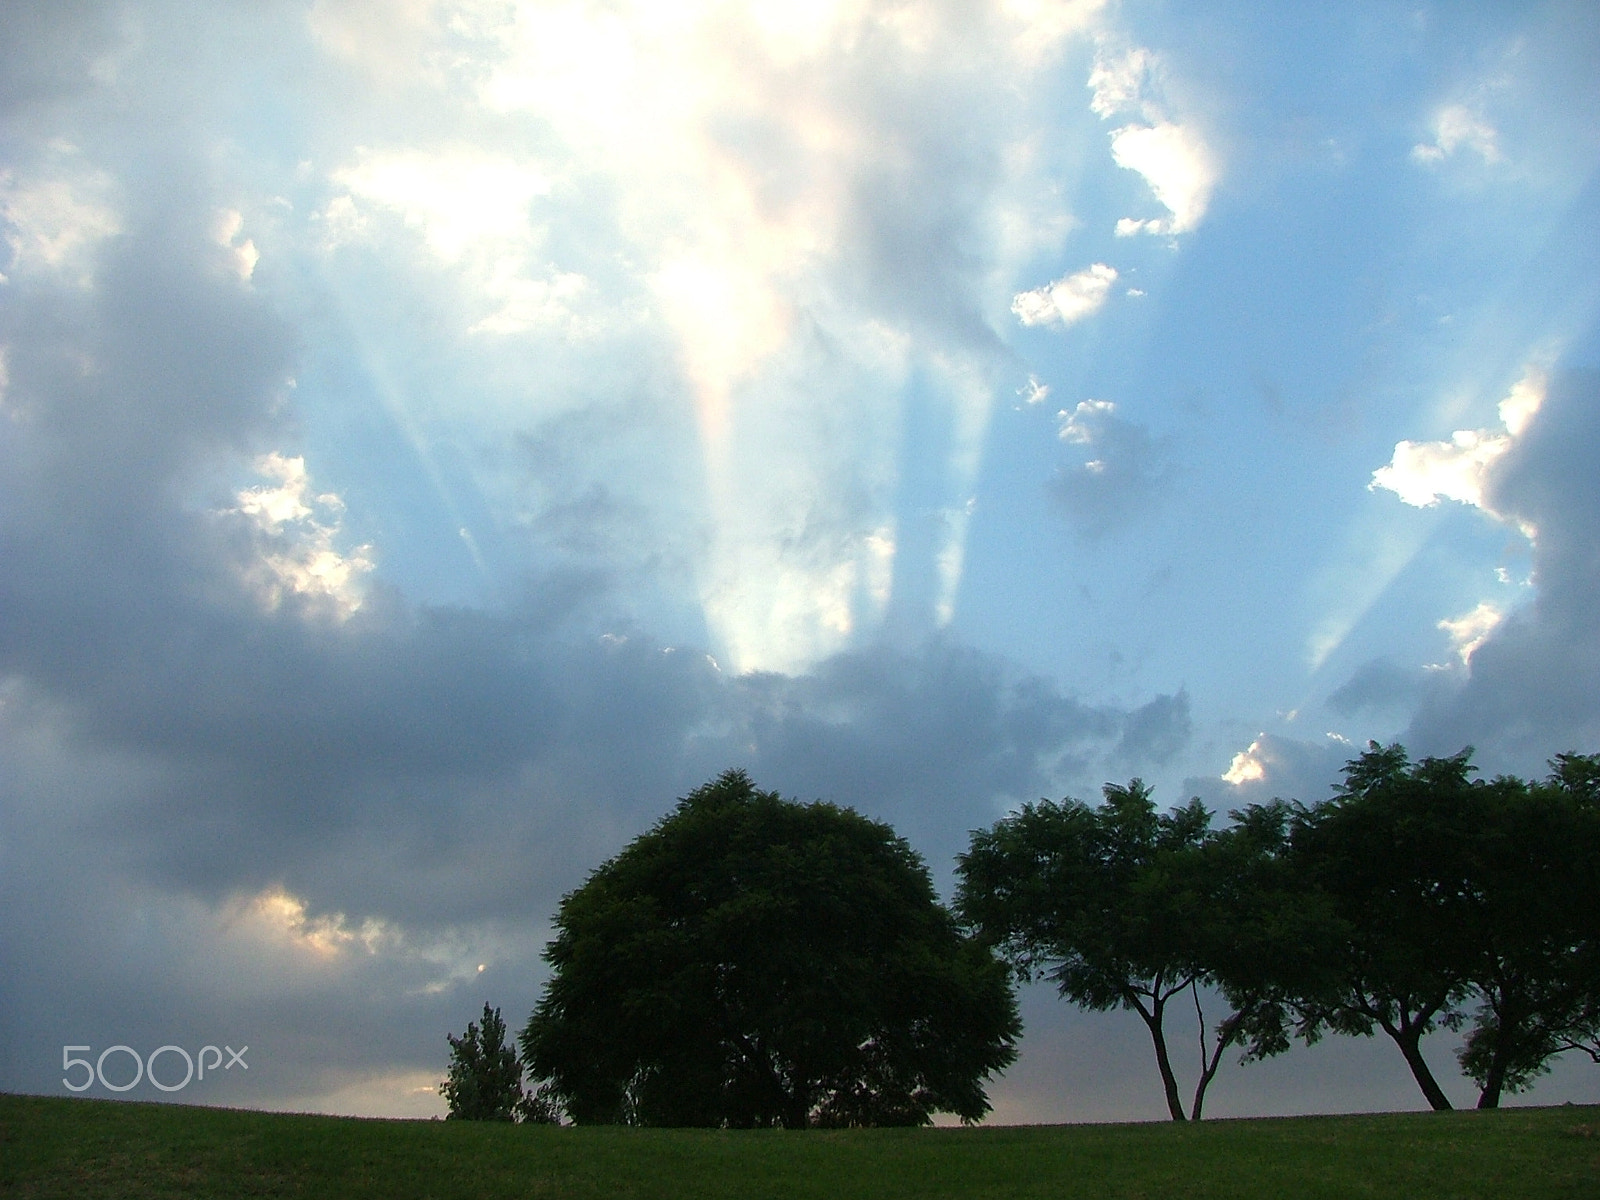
{"points": [[435, 435]]}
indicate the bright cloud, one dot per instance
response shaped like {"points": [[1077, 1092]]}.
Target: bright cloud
{"points": [[1068, 300], [1248, 766], [296, 529], [1177, 165], [1172, 156], [1423, 473], [1118, 81], [747, 167], [1457, 127], [1083, 424], [52, 222], [242, 256], [278, 916], [1470, 630], [457, 199]]}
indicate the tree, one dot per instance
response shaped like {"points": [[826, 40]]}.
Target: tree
{"points": [[1390, 854], [1261, 938], [485, 1080], [1120, 907], [1535, 900], [753, 961]]}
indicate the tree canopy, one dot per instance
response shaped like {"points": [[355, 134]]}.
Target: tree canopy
{"points": [[1120, 906], [485, 1079], [753, 961], [1415, 898], [1451, 890]]}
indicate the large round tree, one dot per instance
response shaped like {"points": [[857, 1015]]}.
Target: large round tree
{"points": [[755, 961]]}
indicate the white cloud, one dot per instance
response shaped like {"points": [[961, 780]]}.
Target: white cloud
{"points": [[1082, 425], [1171, 155], [1248, 766], [1470, 630], [1042, 25], [1068, 300], [1177, 165], [1522, 402], [1423, 473], [457, 199], [1118, 81], [296, 529], [53, 222], [241, 257], [1457, 127]]}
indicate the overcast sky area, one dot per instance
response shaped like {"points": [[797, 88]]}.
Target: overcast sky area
{"points": [[436, 435]]}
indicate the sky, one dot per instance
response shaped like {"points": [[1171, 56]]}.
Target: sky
{"points": [[436, 435]]}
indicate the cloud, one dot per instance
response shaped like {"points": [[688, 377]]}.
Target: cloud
{"points": [[1457, 127], [1155, 733], [1172, 156], [456, 198], [296, 553], [1127, 475], [1423, 473], [1179, 168], [53, 221], [228, 817], [50, 53], [1068, 300], [1274, 766], [1531, 692], [1380, 684], [1118, 81], [1470, 630], [782, 218]]}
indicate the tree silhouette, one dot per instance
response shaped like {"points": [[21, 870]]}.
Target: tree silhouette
{"points": [[485, 1080], [753, 961]]}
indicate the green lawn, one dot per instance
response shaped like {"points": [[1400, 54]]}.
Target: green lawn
{"points": [[51, 1146]]}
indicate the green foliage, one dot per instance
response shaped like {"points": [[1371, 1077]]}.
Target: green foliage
{"points": [[1536, 919], [1448, 889], [485, 1080], [1122, 906], [1416, 898], [753, 961], [1389, 854]]}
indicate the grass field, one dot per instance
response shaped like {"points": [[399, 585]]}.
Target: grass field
{"points": [[52, 1146]]}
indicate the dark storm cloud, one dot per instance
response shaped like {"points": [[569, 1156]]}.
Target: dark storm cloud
{"points": [[1379, 684], [1155, 733], [1535, 684]]}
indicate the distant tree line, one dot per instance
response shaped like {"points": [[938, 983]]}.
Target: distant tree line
{"points": [[755, 961]]}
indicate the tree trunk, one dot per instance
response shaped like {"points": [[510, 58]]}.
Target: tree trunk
{"points": [[1227, 1033], [1489, 1097], [1510, 1011], [1163, 1062], [1409, 1037]]}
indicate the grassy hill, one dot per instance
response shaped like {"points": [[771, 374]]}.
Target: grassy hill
{"points": [[54, 1146]]}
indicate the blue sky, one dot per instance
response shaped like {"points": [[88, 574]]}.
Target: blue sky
{"points": [[436, 435]]}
